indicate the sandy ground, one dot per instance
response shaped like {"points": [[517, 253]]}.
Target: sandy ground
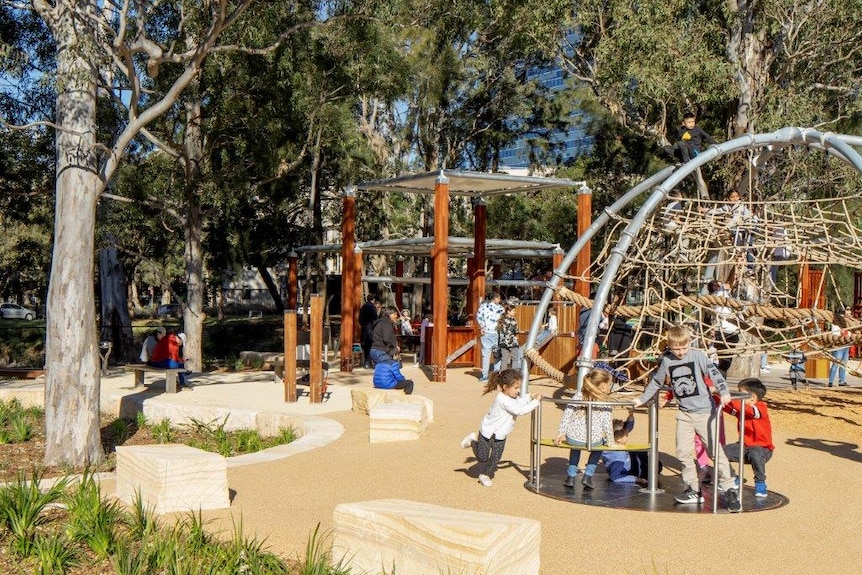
{"points": [[817, 466]]}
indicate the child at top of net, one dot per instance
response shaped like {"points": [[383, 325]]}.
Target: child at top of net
{"points": [[686, 369], [573, 426], [499, 422]]}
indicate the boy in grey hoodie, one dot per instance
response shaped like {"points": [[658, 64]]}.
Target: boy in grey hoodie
{"points": [[685, 369]]}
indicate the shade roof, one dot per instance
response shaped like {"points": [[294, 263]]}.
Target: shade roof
{"points": [[494, 248], [473, 184]]}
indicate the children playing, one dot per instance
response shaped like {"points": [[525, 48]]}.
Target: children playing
{"points": [[573, 426], [626, 466], [757, 437], [686, 368], [499, 421]]}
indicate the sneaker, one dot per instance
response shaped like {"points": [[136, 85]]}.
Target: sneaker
{"points": [[485, 480], [569, 481], [760, 489], [733, 504], [690, 496], [468, 440], [764, 370], [483, 378], [842, 383], [587, 481]]}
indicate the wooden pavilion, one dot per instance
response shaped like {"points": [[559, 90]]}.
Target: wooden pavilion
{"points": [[443, 185]]}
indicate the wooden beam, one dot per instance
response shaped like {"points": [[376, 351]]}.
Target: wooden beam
{"points": [[480, 230], [315, 368], [348, 239], [439, 276], [288, 377]]}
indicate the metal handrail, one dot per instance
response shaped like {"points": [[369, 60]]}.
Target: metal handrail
{"points": [[652, 474]]}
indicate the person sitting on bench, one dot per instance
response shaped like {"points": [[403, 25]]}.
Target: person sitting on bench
{"points": [[168, 354], [387, 375]]}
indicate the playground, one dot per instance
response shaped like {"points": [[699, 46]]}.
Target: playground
{"points": [[815, 466]]}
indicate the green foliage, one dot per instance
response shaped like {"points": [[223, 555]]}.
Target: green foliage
{"points": [[141, 420], [162, 431], [318, 556], [54, 554], [121, 429], [141, 520], [92, 519], [22, 506], [16, 423]]}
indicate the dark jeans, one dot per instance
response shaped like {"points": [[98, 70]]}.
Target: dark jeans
{"points": [[488, 452], [725, 341], [756, 456], [406, 385], [366, 334]]}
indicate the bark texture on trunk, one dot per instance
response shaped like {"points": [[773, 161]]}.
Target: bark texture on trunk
{"points": [[71, 358]]}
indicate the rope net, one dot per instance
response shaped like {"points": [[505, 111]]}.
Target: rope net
{"points": [[776, 260]]}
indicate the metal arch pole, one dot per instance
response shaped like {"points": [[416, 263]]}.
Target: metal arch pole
{"points": [[598, 224], [716, 445], [782, 136], [840, 144], [652, 475]]}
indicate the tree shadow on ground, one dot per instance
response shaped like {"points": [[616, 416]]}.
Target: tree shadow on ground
{"points": [[840, 449]]}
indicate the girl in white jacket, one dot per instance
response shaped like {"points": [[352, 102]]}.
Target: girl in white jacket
{"points": [[499, 421]]}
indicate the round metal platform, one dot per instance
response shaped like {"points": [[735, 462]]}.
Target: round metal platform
{"points": [[630, 496]]}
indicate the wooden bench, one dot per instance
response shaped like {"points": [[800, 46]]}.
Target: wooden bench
{"points": [[170, 374]]}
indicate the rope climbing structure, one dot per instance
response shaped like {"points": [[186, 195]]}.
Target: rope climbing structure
{"points": [[782, 261]]}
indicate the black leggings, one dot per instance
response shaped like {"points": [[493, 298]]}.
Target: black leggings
{"points": [[488, 452]]}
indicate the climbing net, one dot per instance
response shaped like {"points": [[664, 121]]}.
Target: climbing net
{"points": [[785, 267]]}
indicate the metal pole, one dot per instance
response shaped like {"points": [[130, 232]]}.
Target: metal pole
{"points": [[652, 476]]}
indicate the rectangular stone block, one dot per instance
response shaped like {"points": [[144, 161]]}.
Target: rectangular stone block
{"points": [[172, 477], [397, 422], [400, 536], [365, 399], [397, 396]]}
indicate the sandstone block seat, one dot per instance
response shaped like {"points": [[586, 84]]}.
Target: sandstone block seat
{"points": [[364, 399], [397, 422], [401, 536], [172, 477]]}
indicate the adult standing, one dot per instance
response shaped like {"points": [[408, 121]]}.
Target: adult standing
{"points": [[367, 317], [840, 356], [487, 317], [384, 340]]}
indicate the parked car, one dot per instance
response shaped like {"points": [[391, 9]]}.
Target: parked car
{"points": [[15, 311], [170, 310]]}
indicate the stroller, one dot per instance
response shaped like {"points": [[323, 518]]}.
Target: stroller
{"points": [[797, 368]]}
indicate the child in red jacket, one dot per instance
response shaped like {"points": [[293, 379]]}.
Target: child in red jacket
{"points": [[757, 439]]}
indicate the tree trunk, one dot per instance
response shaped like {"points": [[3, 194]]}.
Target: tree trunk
{"points": [[71, 356], [116, 323], [271, 287], [193, 316]]}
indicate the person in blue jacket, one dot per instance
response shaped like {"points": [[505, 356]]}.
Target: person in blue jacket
{"points": [[387, 375]]}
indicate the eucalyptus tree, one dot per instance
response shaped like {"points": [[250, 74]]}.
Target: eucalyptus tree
{"points": [[745, 66], [111, 52]]}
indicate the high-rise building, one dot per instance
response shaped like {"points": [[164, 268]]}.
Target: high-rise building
{"points": [[566, 144]]}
